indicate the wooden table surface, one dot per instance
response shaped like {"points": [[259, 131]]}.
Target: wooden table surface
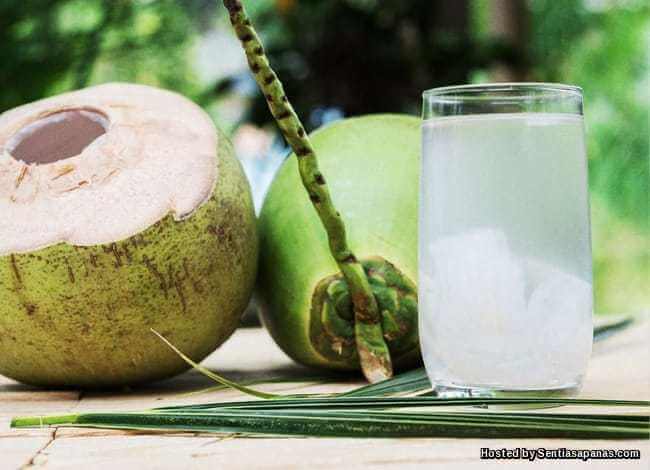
{"points": [[619, 369]]}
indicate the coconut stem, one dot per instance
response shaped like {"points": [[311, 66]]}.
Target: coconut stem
{"points": [[374, 355]]}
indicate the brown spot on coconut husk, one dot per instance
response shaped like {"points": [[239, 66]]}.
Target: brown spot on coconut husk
{"points": [[154, 271], [15, 270], [178, 285], [112, 248], [70, 272], [195, 283]]}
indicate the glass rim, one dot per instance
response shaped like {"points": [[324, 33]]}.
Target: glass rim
{"points": [[458, 93]]}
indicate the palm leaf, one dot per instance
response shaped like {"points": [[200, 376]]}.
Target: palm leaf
{"points": [[217, 378], [408, 382], [365, 403], [608, 329], [369, 412], [374, 417], [365, 423], [411, 382], [307, 379]]}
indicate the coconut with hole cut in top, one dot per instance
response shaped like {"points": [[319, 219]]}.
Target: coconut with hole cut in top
{"points": [[122, 209]]}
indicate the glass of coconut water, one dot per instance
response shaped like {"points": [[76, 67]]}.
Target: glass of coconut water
{"points": [[505, 277]]}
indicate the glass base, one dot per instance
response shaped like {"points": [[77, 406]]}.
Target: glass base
{"points": [[455, 391]]}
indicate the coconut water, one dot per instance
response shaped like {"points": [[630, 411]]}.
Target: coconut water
{"points": [[505, 275]]}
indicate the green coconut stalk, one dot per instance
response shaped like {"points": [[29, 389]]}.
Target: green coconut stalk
{"points": [[374, 355]]}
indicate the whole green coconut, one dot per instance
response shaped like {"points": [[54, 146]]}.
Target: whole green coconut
{"points": [[123, 210], [372, 166]]}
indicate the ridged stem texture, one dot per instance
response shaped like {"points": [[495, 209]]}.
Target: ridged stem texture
{"points": [[374, 355]]}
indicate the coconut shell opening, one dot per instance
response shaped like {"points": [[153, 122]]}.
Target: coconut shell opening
{"points": [[101, 164], [58, 136]]}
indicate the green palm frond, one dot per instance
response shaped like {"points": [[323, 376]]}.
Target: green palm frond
{"points": [[398, 407], [358, 417]]}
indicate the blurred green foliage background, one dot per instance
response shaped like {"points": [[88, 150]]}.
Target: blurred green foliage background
{"points": [[348, 57]]}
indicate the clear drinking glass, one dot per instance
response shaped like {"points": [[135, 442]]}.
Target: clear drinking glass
{"points": [[505, 276]]}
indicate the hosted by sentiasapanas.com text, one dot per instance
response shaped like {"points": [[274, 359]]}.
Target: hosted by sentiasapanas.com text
{"points": [[541, 453]]}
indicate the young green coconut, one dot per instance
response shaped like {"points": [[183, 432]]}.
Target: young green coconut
{"points": [[123, 209], [366, 313]]}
